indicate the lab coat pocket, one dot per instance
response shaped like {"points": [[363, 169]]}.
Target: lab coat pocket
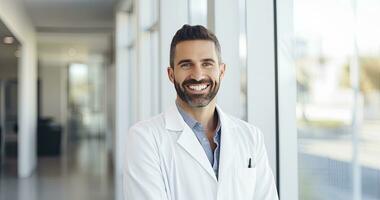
{"points": [[246, 178]]}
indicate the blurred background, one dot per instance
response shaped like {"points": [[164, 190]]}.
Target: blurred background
{"points": [[76, 74], [337, 60]]}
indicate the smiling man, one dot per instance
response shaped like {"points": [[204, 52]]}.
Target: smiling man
{"points": [[194, 150]]}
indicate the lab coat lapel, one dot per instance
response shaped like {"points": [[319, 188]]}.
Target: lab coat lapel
{"points": [[228, 145], [190, 143], [187, 140]]}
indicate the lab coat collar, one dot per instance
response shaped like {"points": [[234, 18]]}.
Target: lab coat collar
{"points": [[173, 119], [188, 141]]}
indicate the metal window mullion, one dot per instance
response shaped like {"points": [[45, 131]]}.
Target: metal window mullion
{"points": [[356, 109]]}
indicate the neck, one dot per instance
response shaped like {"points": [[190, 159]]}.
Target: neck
{"points": [[204, 115]]}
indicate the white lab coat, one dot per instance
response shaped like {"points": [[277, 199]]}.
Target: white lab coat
{"points": [[165, 161]]}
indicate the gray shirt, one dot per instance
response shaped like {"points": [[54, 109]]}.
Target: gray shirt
{"points": [[199, 132]]}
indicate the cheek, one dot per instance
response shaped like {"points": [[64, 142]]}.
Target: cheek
{"points": [[216, 75], [178, 78]]}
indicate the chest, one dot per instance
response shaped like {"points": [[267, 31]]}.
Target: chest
{"points": [[187, 172]]}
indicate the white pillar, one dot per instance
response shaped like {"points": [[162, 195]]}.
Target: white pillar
{"points": [[173, 14], [13, 14], [27, 113], [225, 24], [261, 93], [122, 98], [142, 46], [287, 102]]}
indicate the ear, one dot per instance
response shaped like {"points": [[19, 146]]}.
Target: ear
{"points": [[170, 71], [222, 69]]}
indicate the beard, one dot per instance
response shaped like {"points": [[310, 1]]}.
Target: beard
{"points": [[197, 100]]}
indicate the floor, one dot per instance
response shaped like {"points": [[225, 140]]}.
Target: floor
{"points": [[85, 173]]}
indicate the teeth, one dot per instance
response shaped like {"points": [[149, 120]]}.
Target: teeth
{"points": [[198, 87]]}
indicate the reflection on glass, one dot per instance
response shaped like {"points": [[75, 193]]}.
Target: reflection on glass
{"points": [[326, 101]]}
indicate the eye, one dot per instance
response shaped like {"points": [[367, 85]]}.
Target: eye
{"points": [[185, 65], [207, 64]]}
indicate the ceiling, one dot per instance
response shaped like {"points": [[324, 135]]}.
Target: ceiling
{"points": [[58, 49], [84, 27], [7, 51], [57, 15]]}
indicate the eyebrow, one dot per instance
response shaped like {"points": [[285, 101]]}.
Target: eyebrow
{"points": [[184, 61], [189, 61], [208, 60]]}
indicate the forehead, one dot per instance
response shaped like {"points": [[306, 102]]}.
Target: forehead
{"points": [[195, 50]]}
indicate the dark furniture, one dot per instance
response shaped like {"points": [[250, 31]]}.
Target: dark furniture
{"points": [[49, 136]]}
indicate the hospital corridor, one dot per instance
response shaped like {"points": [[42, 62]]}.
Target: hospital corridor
{"points": [[134, 99]]}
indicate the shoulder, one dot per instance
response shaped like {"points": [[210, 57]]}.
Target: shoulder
{"points": [[243, 125], [149, 124], [246, 131], [147, 129], [248, 136]]}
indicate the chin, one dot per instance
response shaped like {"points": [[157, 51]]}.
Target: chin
{"points": [[198, 104]]}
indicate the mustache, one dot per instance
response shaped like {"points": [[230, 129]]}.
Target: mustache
{"points": [[193, 81]]}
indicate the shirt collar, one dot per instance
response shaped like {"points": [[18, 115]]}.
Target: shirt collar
{"points": [[192, 123]]}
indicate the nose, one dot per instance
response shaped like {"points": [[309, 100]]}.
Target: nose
{"points": [[197, 72]]}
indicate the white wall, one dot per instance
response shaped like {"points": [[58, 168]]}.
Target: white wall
{"points": [[13, 14], [53, 92]]}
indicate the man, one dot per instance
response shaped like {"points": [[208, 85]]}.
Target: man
{"points": [[194, 151]]}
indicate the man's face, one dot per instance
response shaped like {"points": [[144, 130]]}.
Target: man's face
{"points": [[197, 72]]}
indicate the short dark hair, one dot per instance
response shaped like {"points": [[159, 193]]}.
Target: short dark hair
{"points": [[197, 32]]}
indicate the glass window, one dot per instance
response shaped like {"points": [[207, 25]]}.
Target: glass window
{"points": [[368, 43], [338, 126], [86, 102]]}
